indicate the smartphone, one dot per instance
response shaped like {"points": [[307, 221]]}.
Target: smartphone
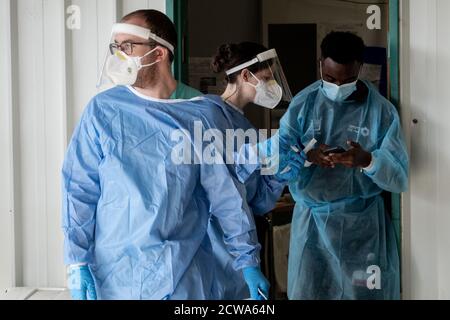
{"points": [[334, 150]]}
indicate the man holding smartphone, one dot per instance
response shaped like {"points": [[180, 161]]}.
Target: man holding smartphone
{"points": [[342, 240]]}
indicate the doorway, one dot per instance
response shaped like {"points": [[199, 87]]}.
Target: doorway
{"points": [[295, 29]]}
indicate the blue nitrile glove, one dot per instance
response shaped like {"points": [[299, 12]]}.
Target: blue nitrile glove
{"points": [[290, 165], [81, 284], [261, 156], [256, 280], [246, 162]]}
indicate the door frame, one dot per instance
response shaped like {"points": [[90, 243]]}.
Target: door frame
{"points": [[394, 97], [7, 233], [177, 11]]}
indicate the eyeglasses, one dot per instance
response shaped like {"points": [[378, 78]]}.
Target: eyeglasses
{"points": [[127, 46]]}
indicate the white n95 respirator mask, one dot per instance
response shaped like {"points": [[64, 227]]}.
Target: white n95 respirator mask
{"points": [[268, 93], [122, 69]]}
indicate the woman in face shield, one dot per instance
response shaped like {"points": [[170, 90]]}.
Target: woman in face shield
{"points": [[253, 75]]}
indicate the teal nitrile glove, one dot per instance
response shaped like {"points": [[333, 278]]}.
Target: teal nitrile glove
{"points": [[81, 284], [256, 280], [290, 165]]}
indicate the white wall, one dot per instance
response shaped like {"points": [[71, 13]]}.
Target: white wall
{"points": [[426, 97], [48, 75]]}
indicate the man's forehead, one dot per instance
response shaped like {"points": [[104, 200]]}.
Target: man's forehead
{"points": [[121, 37], [328, 62], [335, 69]]}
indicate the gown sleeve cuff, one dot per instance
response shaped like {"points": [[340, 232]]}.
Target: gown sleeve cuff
{"points": [[75, 266], [371, 168], [250, 263]]}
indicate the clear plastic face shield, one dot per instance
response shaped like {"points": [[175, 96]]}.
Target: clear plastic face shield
{"points": [[273, 88], [120, 67]]}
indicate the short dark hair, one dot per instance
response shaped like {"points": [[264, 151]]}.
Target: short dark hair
{"points": [[159, 24], [231, 55], [343, 47]]}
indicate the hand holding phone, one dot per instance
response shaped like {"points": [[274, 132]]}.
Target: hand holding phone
{"points": [[334, 150]]}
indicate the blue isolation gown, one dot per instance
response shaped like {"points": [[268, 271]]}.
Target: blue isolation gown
{"points": [[342, 240], [262, 193], [136, 217]]}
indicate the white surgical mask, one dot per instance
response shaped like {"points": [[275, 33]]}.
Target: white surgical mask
{"points": [[335, 92], [338, 93], [268, 93], [123, 69]]}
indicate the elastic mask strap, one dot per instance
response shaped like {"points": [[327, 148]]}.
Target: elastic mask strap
{"points": [[360, 70], [150, 64], [321, 72], [259, 81]]}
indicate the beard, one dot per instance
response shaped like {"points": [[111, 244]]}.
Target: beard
{"points": [[147, 75]]}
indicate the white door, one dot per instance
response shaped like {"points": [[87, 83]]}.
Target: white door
{"points": [[426, 108]]}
